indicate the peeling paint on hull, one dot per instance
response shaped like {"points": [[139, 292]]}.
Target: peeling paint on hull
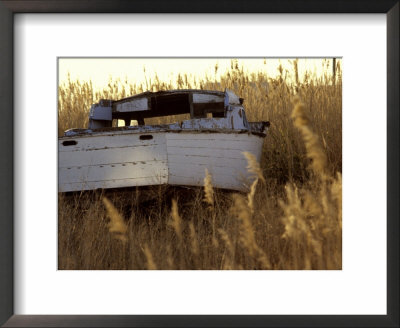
{"points": [[122, 159]]}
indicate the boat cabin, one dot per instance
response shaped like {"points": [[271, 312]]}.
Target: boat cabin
{"points": [[198, 103]]}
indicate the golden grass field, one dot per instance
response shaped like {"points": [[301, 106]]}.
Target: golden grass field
{"points": [[290, 220]]}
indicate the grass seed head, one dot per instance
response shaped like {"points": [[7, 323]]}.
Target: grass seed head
{"points": [[149, 257], [313, 147], [116, 225], [253, 166], [208, 189], [176, 221]]}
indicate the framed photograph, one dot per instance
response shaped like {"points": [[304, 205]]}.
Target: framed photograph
{"points": [[168, 164]]}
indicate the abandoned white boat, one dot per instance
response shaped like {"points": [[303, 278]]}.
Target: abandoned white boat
{"points": [[214, 138]]}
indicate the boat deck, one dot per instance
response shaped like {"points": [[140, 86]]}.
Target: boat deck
{"points": [[195, 126]]}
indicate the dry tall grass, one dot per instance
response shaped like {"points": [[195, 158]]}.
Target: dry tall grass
{"points": [[290, 219]]}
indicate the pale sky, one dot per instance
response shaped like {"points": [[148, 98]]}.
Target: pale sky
{"points": [[99, 70]]}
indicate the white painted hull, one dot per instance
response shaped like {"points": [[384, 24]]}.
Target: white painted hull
{"points": [[176, 158]]}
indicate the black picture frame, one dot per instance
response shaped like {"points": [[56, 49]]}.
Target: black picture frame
{"points": [[7, 10]]}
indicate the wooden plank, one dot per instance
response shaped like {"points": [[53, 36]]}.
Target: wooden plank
{"points": [[228, 153], [192, 115], [134, 105], [198, 170], [113, 171], [206, 160], [77, 186], [153, 171], [193, 135], [110, 141], [214, 144], [206, 98], [134, 154]]}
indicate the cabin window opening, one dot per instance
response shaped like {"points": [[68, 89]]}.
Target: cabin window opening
{"points": [[127, 122], [173, 104], [168, 108], [169, 119], [218, 114]]}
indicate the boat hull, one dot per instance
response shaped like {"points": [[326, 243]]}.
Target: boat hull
{"points": [[120, 160]]}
